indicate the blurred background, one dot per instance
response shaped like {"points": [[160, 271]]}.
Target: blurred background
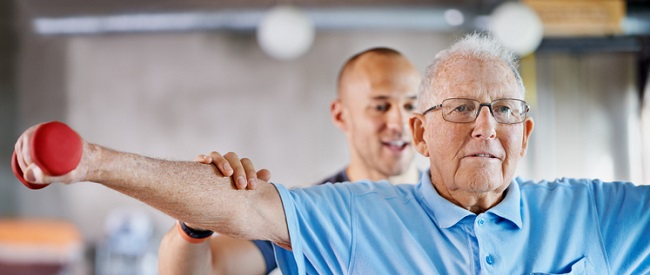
{"points": [[172, 79]]}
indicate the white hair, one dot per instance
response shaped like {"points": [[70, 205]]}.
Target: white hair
{"points": [[474, 45]]}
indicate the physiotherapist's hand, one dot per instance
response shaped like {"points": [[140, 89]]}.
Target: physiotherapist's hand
{"points": [[241, 170]]}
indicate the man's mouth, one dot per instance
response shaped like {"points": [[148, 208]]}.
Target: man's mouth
{"points": [[396, 145], [482, 155]]}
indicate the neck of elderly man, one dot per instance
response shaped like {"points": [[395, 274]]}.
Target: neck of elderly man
{"points": [[472, 164]]}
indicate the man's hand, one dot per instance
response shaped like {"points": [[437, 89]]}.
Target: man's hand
{"points": [[35, 174], [241, 170]]}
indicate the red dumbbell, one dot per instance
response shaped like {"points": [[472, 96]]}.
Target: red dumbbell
{"points": [[55, 148]]}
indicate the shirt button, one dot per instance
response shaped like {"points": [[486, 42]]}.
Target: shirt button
{"points": [[481, 222], [489, 260]]}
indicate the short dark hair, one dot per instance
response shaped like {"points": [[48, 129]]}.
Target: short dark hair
{"points": [[353, 60]]}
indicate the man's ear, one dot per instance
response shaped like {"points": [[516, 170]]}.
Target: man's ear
{"points": [[528, 129], [416, 123], [337, 115]]}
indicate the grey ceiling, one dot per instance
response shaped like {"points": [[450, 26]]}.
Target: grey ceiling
{"points": [[58, 8]]}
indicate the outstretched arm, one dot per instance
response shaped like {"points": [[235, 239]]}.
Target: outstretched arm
{"points": [[189, 191], [219, 254]]}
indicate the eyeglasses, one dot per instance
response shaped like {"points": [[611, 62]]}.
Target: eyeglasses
{"points": [[464, 110]]}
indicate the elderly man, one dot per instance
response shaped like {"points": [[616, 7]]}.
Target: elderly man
{"points": [[376, 94], [467, 215]]}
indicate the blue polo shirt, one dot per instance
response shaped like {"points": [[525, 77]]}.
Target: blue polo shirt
{"points": [[266, 247], [567, 225]]}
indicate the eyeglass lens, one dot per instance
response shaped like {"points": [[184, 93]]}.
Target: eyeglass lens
{"points": [[466, 110]]}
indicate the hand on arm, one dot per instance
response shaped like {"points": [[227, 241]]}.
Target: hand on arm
{"points": [[241, 171], [219, 254]]}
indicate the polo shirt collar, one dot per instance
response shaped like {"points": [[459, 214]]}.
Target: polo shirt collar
{"points": [[510, 207], [447, 214]]}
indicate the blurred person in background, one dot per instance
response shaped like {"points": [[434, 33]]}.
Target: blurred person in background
{"points": [[376, 95]]}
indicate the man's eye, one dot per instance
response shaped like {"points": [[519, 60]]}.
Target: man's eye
{"points": [[409, 107], [503, 109], [462, 108], [381, 107]]}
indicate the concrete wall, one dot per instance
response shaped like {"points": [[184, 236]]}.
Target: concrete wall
{"points": [[8, 108], [588, 118]]}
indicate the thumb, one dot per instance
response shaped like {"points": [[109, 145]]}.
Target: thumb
{"points": [[34, 174]]}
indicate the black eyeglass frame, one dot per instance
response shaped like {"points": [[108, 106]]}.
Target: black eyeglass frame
{"points": [[481, 105]]}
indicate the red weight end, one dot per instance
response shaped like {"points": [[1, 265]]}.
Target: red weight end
{"points": [[19, 174], [56, 148]]}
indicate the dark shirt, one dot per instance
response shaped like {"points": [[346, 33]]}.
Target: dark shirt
{"points": [[341, 176], [266, 247]]}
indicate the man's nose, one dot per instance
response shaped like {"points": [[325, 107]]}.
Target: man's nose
{"points": [[485, 124], [397, 118]]}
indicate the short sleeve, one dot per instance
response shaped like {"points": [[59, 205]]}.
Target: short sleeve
{"points": [[318, 216]]}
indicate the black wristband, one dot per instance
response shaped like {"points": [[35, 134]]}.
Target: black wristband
{"points": [[195, 234]]}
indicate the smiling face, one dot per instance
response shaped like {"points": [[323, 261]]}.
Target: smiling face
{"points": [[472, 163], [376, 97]]}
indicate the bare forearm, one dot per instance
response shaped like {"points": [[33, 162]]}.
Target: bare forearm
{"points": [[218, 255], [191, 192], [177, 256], [185, 190]]}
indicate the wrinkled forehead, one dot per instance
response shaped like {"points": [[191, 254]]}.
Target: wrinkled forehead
{"points": [[477, 78]]}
